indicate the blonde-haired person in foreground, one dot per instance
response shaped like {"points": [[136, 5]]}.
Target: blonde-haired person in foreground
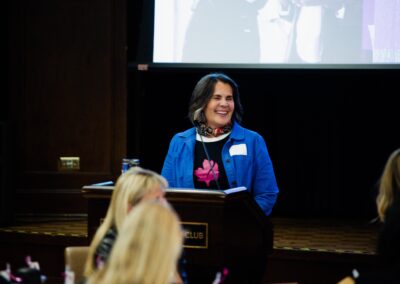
{"points": [[388, 207], [147, 249], [132, 187], [389, 186]]}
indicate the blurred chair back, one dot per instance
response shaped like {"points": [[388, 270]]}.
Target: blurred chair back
{"points": [[75, 258]]}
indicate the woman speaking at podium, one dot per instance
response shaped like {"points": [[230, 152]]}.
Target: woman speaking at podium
{"points": [[218, 153]]}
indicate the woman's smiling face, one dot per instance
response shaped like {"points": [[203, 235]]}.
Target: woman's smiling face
{"points": [[219, 109]]}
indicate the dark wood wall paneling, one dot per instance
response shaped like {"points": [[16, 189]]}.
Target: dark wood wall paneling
{"points": [[67, 98]]}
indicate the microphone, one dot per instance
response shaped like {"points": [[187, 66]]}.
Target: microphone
{"points": [[197, 125]]}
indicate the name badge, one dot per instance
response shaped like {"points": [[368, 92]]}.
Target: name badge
{"points": [[239, 149]]}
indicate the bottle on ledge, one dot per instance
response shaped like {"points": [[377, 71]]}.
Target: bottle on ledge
{"points": [[129, 163]]}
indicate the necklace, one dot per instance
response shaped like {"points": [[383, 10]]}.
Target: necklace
{"points": [[205, 130]]}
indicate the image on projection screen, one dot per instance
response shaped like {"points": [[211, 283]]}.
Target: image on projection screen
{"points": [[277, 31]]}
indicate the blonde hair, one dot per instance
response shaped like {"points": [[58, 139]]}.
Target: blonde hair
{"points": [[389, 184], [129, 190], [147, 248]]}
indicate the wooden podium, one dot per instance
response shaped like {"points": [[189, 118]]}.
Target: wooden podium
{"points": [[223, 228]]}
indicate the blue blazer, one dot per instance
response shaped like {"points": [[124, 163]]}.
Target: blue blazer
{"points": [[245, 158]]}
